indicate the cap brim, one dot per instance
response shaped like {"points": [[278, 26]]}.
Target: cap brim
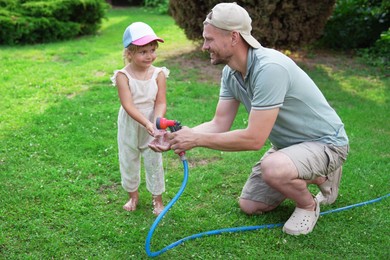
{"points": [[251, 41], [146, 39]]}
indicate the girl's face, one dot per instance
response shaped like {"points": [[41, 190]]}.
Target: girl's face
{"points": [[144, 56]]}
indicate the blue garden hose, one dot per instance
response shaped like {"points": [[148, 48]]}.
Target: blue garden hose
{"points": [[225, 230]]}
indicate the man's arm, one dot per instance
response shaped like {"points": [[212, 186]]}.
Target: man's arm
{"points": [[215, 134], [223, 119]]}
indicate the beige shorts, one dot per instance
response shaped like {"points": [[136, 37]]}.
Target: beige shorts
{"points": [[312, 160]]}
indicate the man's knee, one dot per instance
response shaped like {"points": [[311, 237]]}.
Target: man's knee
{"points": [[277, 168], [251, 207], [270, 171]]}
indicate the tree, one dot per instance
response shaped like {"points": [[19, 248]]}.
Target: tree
{"points": [[275, 23]]}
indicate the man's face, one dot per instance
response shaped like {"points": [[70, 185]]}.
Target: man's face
{"points": [[218, 43]]}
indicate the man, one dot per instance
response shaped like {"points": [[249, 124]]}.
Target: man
{"points": [[309, 143]]}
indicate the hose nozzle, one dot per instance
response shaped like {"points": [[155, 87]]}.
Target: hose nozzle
{"points": [[173, 125], [163, 123]]}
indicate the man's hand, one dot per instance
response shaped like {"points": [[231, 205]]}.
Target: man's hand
{"points": [[182, 140], [160, 142]]}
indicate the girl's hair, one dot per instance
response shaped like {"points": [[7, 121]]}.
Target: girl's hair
{"points": [[133, 49]]}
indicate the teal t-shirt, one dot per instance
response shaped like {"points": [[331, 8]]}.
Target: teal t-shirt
{"points": [[274, 80]]}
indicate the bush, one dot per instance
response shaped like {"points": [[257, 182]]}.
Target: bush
{"points": [[379, 53], [28, 21], [283, 23], [356, 24], [35, 29], [162, 6]]}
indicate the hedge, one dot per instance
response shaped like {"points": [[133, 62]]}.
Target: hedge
{"points": [[29, 21]]}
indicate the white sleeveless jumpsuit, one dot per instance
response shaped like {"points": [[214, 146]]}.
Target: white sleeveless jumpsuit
{"points": [[133, 138]]}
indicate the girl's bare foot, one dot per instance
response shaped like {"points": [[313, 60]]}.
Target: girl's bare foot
{"points": [[158, 205], [131, 205]]}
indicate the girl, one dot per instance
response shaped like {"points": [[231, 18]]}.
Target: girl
{"points": [[142, 93]]}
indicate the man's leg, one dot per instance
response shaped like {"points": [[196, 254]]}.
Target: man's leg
{"points": [[257, 196], [329, 188], [252, 207], [291, 169], [280, 173]]}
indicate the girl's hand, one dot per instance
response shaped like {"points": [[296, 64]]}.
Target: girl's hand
{"points": [[160, 142], [150, 128]]}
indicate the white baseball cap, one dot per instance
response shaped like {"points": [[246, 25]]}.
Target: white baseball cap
{"points": [[139, 34], [232, 17]]}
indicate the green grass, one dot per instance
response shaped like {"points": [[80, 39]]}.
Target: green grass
{"points": [[60, 189]]}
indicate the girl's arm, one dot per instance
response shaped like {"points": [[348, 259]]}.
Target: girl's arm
{"points": [[160, 105], [126, 100]]}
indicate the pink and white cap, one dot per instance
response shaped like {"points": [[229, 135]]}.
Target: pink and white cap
{"points": [[139, 34]]}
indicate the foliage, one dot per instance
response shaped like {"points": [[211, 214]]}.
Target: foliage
{"points": [[60, 192], [283, 23], [26, 22], [161, 6], [379, 53], [356, 24]]}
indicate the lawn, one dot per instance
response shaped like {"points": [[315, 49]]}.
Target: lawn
{"points": [[60, 190]]}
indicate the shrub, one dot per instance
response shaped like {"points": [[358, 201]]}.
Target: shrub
{"points": [[23, 29], [162, 6], [283, 23], [379, 53], [356, 24], [28, 21]]}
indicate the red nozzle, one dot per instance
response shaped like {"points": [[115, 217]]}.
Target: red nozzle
{"points": [[163, 123]]}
